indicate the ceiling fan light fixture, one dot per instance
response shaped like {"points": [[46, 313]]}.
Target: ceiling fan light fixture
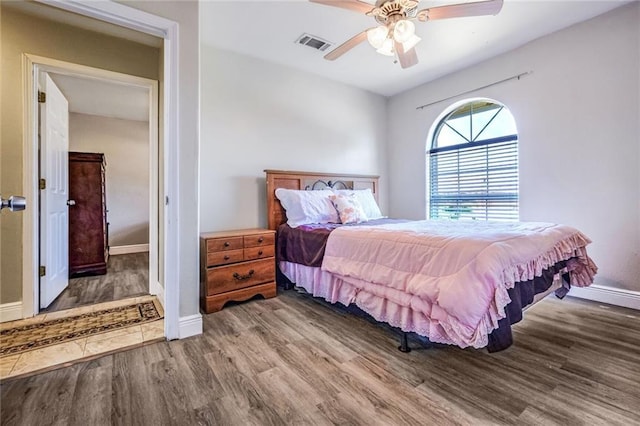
{"points": [[386, 48], [377, 36], [403, 30], [395, 33], [411, 43]]}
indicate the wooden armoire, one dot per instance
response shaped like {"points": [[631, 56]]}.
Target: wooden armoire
{"points": [[88, 227]]}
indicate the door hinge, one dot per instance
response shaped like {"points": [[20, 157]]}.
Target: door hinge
{"points": [[43, 183], [42, 97], [43, 271]]}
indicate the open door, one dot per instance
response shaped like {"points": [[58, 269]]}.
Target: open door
{"points": [[54, 194]]}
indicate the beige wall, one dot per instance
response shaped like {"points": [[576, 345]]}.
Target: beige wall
{"points": [[125, 144], [23, 34]]}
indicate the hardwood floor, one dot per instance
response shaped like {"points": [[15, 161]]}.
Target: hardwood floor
{"points": [[127, 276], [292, 360]]}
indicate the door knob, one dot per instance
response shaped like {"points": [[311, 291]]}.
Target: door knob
{"points": [[13, 203], [71, 202]]}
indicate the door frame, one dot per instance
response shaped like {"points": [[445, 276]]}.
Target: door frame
{"points": [[138, 20], [34, 66]]}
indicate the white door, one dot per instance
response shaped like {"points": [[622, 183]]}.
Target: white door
{"points": [[54, 168]]}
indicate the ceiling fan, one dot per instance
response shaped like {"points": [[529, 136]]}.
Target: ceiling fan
{"points": [[395, 34]]}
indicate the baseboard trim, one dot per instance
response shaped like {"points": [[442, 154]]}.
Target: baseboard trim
{"points": [[133, 248], [158, 291], [10, 311], [613, 296], [190, 326]]}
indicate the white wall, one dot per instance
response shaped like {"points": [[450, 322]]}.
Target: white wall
{"points": [[577, 118], [258, 115], [125, 144]]}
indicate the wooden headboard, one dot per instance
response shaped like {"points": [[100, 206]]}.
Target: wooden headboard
{"points": [[276, 215]]}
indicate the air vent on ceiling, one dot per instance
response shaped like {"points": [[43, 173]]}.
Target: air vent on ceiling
{"points": [[314, 42]]}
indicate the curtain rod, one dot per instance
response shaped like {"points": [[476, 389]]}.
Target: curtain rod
{"points": [[514, 77]]}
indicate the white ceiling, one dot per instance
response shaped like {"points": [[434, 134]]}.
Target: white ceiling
{"points": [[268, 29], [96, 97]]}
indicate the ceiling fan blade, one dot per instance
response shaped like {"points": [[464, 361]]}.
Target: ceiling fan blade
{"points": [[407, 59], [490, 7], [354, 5], [346, 46]]}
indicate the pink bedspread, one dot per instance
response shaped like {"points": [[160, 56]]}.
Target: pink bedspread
{"points": [[454, 274]]}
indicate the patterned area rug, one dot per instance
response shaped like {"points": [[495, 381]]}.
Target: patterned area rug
{"points": [[25, 338]]}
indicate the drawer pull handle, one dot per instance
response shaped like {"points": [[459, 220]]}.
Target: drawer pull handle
{"points": [[260, 253], [227, 257], [260, 239], [239, 277], [226, 244]]}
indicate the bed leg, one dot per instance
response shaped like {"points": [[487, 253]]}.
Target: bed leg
{"points": [[404, 344], [282, 280]]}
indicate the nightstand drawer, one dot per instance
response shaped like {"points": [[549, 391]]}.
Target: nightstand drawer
{"points": [[240, 275], [220, 244], [236, 265], [224, 257], [259, 240], [259, 252]]}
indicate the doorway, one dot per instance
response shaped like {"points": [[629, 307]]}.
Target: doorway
{"points": [[34, 67], [25, 269], [112, 168], [40, 66]]}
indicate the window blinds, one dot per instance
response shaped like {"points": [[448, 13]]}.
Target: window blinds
{"points": [[475, 181]]}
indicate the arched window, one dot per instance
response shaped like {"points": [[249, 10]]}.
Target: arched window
{"points": [[473, 164]]}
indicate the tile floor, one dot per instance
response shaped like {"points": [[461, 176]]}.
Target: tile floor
{"points": [[64, 354]]}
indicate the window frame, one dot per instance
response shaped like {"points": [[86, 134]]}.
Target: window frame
{"points": [[510, 198]]}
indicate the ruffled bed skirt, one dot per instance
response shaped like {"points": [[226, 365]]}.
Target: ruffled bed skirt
{"points": [[334, 289]]}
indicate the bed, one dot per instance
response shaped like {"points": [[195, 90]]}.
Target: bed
{"points": [[461, 283]]}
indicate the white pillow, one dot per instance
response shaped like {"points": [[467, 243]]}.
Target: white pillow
{"points": [[304, 207], [349, 208], [368, 203]]}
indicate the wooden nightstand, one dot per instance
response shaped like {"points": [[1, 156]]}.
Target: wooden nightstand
{"points": [[236, 265]]}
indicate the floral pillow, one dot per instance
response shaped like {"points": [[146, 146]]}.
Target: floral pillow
{"points": [[366, 199], [349, 208]]}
